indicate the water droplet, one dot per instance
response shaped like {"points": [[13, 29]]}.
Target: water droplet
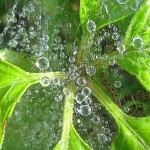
{"points": [[85, 110], [44, 81], [112, 61], [117, 84], [86, 91], [13, 43], [91, 26], [137, 43], [81, 81], [72, 68], [57, 39], [105, 130], [42, 63], [90, 70], [72, 59], [102, 138], [74, 76], [121, 48], [96, 119], [80, 98], [134, 6], [56, 81], [115, 36], [122, 1], [88, 100]]}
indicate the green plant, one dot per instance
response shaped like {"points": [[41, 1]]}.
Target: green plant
{"points": [[114, 35]]}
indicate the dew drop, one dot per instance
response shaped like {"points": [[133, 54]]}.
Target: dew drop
{"points": [[56, 81], [81, 81], [72, 68], [57, 39], [90, 70], [80, 98], [117, 84], [44, 81], [137, 43], [112, 61], [96, 119], [115, 36], [42, 63], [88, 100], [86, 91], [121, 48], [102, 138], [85, 110], [91, 26], [134, 6], [74, 76], [105, 130]]}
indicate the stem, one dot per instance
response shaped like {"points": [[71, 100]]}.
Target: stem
{"points": [[105, 100], [67, 119], [50, 75], [82, 49], [68, 112]]}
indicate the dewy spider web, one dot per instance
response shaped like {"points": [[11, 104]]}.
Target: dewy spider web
{"points": [[26, 126]]}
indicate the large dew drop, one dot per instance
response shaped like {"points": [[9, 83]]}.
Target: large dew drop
{"points": [[81, 81], [90, 70], [117, 84], [85, 110], [137, 43], [91, 26], [86, 91], [80, 98], [44, 81], [42, 63]]}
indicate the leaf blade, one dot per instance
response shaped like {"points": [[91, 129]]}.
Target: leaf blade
{"points": [[109, 11], [139, 27]]}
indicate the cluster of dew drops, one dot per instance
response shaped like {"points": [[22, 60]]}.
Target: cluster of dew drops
{"points": [[90, 118]]}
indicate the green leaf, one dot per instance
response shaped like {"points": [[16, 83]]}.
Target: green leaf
{"points": [[70, 139], [132, 132], [137, 63], [103, 12], [139, 28], [13, 83], [19, 59]]}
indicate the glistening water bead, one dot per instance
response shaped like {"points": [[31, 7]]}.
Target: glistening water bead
{"points": [[117, 84], [86, 91], [80, 98], [90, 70], [91, 26], [85, 110], [44, 81], [81, 81], [137, 43], [42, 63]]}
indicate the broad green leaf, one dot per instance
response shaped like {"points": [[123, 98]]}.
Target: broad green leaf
{"points": [[13, 83], [137, 63], [70, 139], [19, 59], [133, 133], [103, 12], [138, 32]]}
